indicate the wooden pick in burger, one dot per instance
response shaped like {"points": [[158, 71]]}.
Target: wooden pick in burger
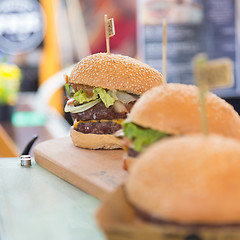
{"points": [[109, 31], [209, 75], [164, 52]]}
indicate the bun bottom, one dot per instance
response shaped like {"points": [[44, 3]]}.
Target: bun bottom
{"points": [[128, 162], [94, 141]]}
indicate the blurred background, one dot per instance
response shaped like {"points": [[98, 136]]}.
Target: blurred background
{"points": [[42, 40]]}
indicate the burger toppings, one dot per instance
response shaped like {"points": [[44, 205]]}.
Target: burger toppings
{"points": [[70, 101], [97, 110], [141, 137], [97, 127], [118, 121], [120, 107], [80, 108], [124, 97], [108, 97], [98, 93], [132, 153], [100, 118]]}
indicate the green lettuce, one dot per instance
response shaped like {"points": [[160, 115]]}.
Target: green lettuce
{"points": [[82, 97], [67, 87], [105, 97], [141, 137]]}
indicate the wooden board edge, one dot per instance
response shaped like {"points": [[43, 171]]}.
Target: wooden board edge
{"points": [[43, 161]]}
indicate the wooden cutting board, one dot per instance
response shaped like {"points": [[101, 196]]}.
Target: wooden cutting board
{"points": [[97, 172]]}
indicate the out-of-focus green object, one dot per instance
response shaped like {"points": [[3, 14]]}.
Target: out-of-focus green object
{"points": [[28, 119], [10, 77]]}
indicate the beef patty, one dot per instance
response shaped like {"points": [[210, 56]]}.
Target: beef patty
{"points": [[99, 112], [132, 153], [98, 127]]}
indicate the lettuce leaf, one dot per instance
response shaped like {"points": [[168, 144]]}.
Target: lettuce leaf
{"points": [[67, 87], [98, 92], [141, 137], [105, 97], [70, 91], [81, 96]]}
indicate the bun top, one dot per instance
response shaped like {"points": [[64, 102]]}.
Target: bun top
{"points": [[175, 110], [194, 180], [114, 71]]}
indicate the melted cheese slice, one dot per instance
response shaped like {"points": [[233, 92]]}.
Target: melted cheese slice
{"points": [[118, 121]]}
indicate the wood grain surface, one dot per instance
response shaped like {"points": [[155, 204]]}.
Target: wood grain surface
{"points": [[97, 172]]}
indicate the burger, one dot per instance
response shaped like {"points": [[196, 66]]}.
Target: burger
{"points": [[190, 182], [101, 89], [164, 112]]}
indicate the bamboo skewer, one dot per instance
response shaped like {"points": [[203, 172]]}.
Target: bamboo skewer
{"points": [[109, 31], [107, 34], [203, 111], [164, 52]]}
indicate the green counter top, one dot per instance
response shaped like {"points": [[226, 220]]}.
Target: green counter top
{"points": [[35, 204]]}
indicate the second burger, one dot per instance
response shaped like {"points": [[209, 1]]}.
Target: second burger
{"points": [[174, 110]]}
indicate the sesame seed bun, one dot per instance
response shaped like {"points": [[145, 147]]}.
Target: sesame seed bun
{"points": [[114, 71], [175, 110], [194, 180], [95, 141]]}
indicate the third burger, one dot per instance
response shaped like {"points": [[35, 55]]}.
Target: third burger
{"points": [[190, 181]]}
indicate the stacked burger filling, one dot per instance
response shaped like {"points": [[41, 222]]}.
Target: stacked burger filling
{"points": [[97, 110], [137, 138]]}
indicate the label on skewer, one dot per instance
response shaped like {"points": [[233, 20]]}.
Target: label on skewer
{"points": [[109, 31], [110, 27], [215, 73]]}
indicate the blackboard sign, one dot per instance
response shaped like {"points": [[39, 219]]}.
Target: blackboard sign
{"points": [[194, 26]]}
